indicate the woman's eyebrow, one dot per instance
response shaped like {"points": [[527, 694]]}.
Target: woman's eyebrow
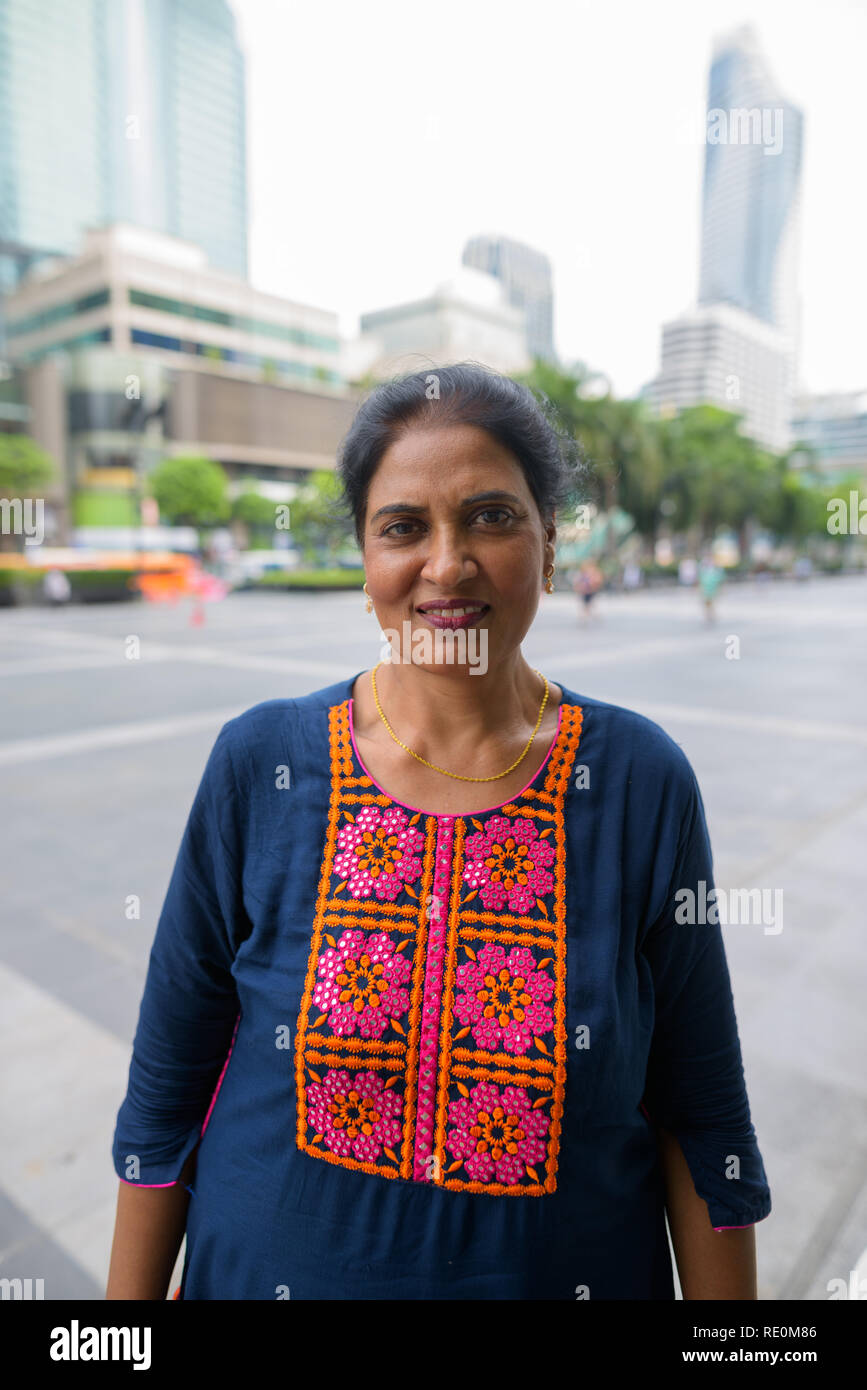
{"points": [[493, 496]]}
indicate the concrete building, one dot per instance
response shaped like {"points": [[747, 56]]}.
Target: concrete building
{"points": [[137, 348], [120, 110], [525, 274], [835, 427], [133, 288], [720, 355], [467, 318]]}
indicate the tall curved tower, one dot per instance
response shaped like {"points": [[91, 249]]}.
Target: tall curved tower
{"points": [[751, 196]]}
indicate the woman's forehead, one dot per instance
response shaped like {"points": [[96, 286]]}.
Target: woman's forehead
{"points": [[451, 448]]}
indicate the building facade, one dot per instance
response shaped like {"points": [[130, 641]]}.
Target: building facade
{"points": [[835, 428], [137, 348], [525, 274], [467, 318], [719, 355], [138, 289]]}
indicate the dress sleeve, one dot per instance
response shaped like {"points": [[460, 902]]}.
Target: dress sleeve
{"points": [[189, 1007], [695, 1079]]}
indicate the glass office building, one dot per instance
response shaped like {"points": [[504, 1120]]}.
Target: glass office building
{"points": [[120, 111], [751, 192]]}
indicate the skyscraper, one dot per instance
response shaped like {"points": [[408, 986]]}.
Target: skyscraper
{"points": [[120, 110], [526, 276], [751, 195], [738, 347]]}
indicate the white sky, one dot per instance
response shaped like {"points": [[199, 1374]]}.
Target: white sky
{"points": [[383, 133]]}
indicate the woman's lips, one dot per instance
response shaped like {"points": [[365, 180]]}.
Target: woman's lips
{"points": [[458, 617]]}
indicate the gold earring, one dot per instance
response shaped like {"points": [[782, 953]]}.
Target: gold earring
{"points": [[549, 587], [369, 604]]}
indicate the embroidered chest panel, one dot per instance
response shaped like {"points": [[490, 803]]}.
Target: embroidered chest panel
{"points": [[431, 1041]]}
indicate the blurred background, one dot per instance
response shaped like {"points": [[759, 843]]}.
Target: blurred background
{"points": [[221, 222]]}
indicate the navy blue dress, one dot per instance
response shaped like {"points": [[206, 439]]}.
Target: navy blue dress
{"points": [[423, 1056]]}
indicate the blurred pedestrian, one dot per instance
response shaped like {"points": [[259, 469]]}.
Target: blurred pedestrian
{"points": [[587, 584], [632, 576], [56, 587], [687, 572], [710, 577]]}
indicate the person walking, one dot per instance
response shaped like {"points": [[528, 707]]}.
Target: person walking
{"points": [[710, 577], [587, 585]]}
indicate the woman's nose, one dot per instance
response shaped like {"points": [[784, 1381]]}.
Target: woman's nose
{"points": [[448, 560]]}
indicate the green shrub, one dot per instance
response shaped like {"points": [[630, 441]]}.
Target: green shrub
{"points": [[309, 579]]}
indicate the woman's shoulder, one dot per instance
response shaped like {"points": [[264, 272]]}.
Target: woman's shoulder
{"points": [[617, 734], [282, 720]]}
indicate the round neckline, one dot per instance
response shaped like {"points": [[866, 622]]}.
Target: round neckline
{"points": [[452, 815]]}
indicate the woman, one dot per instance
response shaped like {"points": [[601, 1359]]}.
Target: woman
{"points": [[420, 1021]]}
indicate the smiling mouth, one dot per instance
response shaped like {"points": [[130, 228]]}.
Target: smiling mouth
{"points": [[472, 610], [453, 615]]}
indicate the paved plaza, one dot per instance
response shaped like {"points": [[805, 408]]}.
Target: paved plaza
{"points": [[101, 753]]}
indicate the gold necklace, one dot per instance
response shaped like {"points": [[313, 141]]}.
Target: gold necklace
{"points": [[458, 775]]}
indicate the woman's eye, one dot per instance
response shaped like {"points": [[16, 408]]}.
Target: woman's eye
{"points": [[492, 516]]}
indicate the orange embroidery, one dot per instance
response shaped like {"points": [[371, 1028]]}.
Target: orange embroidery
{"points": [[438, 941]]}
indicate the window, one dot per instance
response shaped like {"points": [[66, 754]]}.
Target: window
{"points": [[57, 313], [302, 337]]}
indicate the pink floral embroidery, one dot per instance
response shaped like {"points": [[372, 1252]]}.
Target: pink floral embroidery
{"points": [[361, 983], [497, 1134], [509, 864], [504, 998], [379, 853], [356, 1116]]}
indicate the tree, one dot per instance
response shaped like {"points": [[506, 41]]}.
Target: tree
{"points": [[24, 467], [697, 468], [318, 524], [190, 491], [714, 473], [256, 513], [618, 440]]}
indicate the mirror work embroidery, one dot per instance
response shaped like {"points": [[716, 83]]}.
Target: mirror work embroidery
{"points": [[431, 1039]]}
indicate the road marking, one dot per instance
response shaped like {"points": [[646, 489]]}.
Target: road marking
{"points": [[623, 653], [18, 751], [757, 723], [110, 650], [28, 750], [60, 1090]]}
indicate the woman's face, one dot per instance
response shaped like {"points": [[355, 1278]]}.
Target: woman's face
{"points": [[450, 518]]}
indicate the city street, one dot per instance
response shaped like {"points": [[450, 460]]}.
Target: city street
{"points": [[100, 756]]}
